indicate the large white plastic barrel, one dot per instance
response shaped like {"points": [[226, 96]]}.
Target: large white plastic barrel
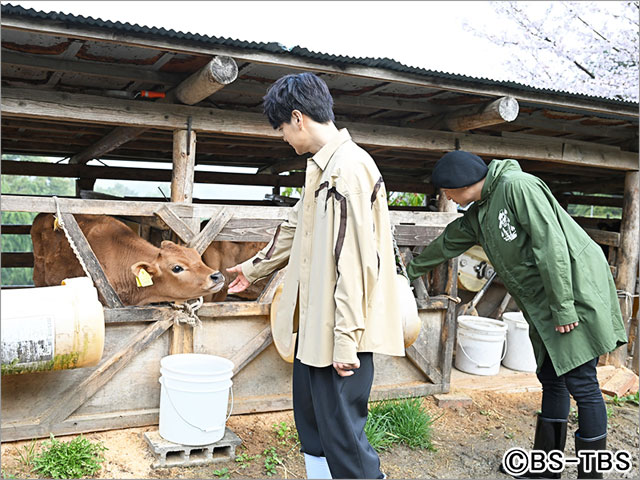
{"points": [[519, 354], [194, 398], [51, 328], [480, 345]]}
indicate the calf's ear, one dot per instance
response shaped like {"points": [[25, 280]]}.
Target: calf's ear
{"points": [[168, 244], [151, 268]]}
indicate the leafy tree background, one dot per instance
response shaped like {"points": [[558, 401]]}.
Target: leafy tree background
{"points": [[25, 185]]}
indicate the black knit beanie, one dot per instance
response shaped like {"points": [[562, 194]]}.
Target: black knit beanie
{"points": [[458, 169]]}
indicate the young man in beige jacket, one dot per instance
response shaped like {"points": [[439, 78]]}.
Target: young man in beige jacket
{"points": [[339, 291]]}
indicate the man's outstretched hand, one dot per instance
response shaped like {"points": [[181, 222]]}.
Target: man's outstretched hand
{"points": [[240, 283]]}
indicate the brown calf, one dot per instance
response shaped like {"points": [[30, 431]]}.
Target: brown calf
{"points": [[178, 273]]}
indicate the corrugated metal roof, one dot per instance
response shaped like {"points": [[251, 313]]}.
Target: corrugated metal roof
{"points": [[277, 48]]}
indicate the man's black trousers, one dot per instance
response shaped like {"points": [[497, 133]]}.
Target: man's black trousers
{"points": [[330, 413]]}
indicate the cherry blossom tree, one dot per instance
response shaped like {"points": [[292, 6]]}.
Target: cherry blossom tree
{"points": [[580, 47]]}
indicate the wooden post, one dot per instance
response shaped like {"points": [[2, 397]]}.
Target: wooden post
{"points": [[183, 166], [439, 281], [182, 192], [627, 258], [499, 111]]}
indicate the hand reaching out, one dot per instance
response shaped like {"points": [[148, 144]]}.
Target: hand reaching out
{"points": [[240, 283]]}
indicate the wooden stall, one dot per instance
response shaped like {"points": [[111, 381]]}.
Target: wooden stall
{"points": [[74, 88]]}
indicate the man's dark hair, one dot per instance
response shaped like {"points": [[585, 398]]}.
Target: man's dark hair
{"points": [[305, 92]]}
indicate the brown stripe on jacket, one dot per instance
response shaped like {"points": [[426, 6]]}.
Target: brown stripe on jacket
{"points": [[343, 220], [273, 247]]}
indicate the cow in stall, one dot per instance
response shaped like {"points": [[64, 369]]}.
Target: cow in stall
{"points": [[224, 254], [177, 273]]}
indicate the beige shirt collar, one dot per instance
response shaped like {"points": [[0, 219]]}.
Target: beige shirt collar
{"points": [[322, 156]]}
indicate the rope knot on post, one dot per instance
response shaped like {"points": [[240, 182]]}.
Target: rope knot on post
{"points": [[185, 313]]}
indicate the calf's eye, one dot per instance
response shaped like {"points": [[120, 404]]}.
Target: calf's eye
{"points": [[177, 269]]}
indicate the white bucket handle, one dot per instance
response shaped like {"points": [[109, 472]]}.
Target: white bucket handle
{"points": [[206, 430], [504, 352]]}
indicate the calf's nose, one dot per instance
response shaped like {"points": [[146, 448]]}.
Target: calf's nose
{"points": [[217, 277]]}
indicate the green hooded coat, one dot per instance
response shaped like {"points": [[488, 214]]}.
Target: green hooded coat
{"points": [[555, 273]]}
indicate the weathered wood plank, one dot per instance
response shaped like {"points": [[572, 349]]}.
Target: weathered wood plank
{"points": [[17, 102], [252, 349], [604, 237], [233, 309], [137, 314], [213, 227], [96, 272], [76, 395], [25, 203], [419, 360], [108, 70], [420, 289], [175, 223], [118, 136]]}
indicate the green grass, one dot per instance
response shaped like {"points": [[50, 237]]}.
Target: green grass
{"points": [[75, 459], [631, 398], [403, 421]]}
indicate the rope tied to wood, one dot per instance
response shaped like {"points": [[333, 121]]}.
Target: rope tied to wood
{"points": [[185, 313], [60, 221], [628, 301]]}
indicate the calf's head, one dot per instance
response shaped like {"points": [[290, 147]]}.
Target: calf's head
{"points": [[179, 274]]}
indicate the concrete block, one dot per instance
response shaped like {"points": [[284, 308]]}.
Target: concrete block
{"points": [[169, 454], [448, 400]]}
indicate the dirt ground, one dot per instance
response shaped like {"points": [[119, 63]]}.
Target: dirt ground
{"points": [[469, 443]]}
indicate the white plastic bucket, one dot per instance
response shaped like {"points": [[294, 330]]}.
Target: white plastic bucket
{"points": [[194, 397], [479, 346], [519, 354]]}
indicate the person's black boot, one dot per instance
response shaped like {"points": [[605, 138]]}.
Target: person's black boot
{"points": [[597, 443], [550, 435]]}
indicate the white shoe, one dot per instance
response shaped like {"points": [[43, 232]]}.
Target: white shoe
{"points": [[317, 467]]}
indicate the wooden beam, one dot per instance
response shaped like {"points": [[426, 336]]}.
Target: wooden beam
{"points": [[284, 60], [41, 169], [175, 223], [252, 349], [499, 111], [568, 198], [86, 108], [16, 259], [96, 69], [118, 136], [604, 237], [220, 71], [419, 360], [72, 398], [184, 160], [213, 227], [234, 309], [98, 276], [26, 203]]}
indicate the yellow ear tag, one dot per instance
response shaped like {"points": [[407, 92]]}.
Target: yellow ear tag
{"points": [[56, 224], [143, 279]]}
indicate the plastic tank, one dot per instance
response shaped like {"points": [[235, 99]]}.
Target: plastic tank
{"points": [[51, 328]]}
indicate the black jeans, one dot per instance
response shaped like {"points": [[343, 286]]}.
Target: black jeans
{"points": [[582, 384]]}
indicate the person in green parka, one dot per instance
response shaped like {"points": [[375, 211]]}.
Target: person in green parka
{"points": [[557, 275]]}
